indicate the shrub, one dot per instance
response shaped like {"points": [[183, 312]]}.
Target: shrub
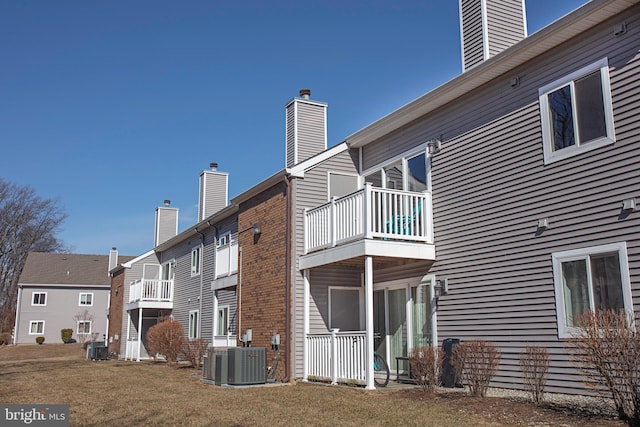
{"points": [[476, 362], [166, 338], [5, 338], [194, 350], [534, 362], [66, 335], [39, 340], [607, 350], [426, 365]]}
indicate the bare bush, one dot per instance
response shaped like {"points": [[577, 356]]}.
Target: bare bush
{"points": [[194, 350], [84, 320], [166, 338], [534, 362], [426, 366], [476, 362], [607, 350]]}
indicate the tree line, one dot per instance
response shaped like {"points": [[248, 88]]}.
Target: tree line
{"points": [[28, 223]]}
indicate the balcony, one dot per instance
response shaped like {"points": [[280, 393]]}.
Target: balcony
{"points": [[380, 220], [151, 293], [227, 258]]}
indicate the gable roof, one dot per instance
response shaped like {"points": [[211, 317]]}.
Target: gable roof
{"points": [[67, 269]]}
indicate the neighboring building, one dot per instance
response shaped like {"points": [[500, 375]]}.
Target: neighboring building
{"points": [[513, 185], [58, 291]]}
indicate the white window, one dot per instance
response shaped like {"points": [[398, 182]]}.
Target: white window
{"points": [[36, 327], [196, 260], [224, 239], [409, 173], [84, 327], [193, 324], [344, 308], [39, 298], [168, 270], [576, 113], [86, 299], [223, 321], [590, 279]]}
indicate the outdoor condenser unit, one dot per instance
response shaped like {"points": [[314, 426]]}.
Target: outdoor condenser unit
{"points": [[247, 365], [220, 365]]}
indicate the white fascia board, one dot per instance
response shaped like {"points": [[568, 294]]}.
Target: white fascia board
{"points": [[299, 169], [128, 264]]}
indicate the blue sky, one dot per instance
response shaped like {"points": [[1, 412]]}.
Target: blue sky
{"points": [[111, 107]]}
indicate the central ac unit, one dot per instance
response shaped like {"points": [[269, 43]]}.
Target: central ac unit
{"points": [[247, 365]]}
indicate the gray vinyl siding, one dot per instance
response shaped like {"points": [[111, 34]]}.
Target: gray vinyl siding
{"points": [[166, 224], [505, 24], [310, 192], [62, 304], [306, 130], [472, 33], [489, 32], [213, 193], [490, 187]]}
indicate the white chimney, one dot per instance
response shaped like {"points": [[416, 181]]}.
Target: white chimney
{"points": [[166, 223], [487, 27], [113, 259], [213, 193], [306, 128]]}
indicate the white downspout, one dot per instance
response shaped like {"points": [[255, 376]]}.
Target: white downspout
{"points": [[16, 326]]}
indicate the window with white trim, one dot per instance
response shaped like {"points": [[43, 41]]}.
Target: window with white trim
{"points": [[224, 239], [86, 299], [341, 184], [344, 308], [39, 298], [223, 321], [576, 112], [193, 324], [590, 279], [409, 172], [196, 260], [84, 327], [36, 327]]}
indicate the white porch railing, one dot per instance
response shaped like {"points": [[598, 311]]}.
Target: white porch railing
{"points": [[369, 213], [337, 357], [131, 350], [151, 290], [227, 259]]}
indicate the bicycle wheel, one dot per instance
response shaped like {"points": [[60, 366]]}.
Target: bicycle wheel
{"points": [[380, 371]]}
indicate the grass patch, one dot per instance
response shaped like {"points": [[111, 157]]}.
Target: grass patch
{"points": [[116, 393]]}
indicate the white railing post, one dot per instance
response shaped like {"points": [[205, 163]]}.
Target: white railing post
{"points": [[367, 210], [333, 222], [334, 357], [307, 230]]}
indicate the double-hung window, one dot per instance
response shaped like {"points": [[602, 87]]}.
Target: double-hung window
{"points": [[86, 299], [39, 298], [576, 112], [36, 327], [84, 327], [223, 321], [196, 260], [590, 279]]}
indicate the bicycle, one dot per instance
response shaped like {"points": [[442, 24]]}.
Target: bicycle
{"points": [[380, 367], [380, 370]]}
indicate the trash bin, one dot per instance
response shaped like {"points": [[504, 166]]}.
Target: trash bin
{"points": [[448, 374]]}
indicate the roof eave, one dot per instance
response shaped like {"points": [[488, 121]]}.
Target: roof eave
{"points": [[556, 33]]}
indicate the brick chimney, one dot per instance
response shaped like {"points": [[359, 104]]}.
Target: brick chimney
{"points": [[306, 128], [487, 27]]}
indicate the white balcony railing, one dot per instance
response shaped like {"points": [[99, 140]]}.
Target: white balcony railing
{"points": [[151, 290], [227, 259], [337, 357], [369, 213]]}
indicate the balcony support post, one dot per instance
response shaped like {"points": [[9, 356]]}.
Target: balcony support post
{"points": [[368, 296]]}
